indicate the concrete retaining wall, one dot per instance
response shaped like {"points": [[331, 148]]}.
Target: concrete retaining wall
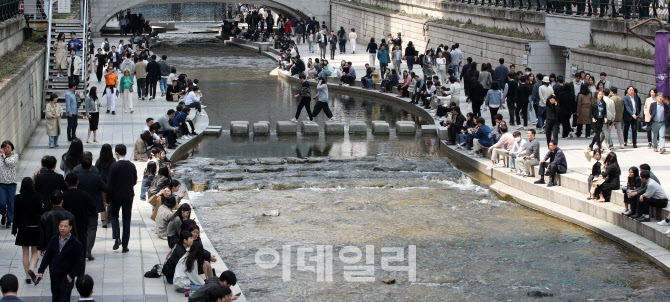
{"points": [[482, 47], [622, 71], [21, 102], [11, 34]]}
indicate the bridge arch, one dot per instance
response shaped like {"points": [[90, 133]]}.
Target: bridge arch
{"points": [[103, 10]]}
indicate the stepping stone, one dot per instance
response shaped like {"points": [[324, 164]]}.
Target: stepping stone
{"points": [[271, 161], [443, 133], [313, 160], [334, 128], [309, 128], [220, 162], [429, 129], [380, 127], [199, 185], [286, 127], [265, 169], [342, 159], [295, 160], [245, 161], [228, 177], [261, 128], [239, 128], [358, 127], [405, 127]]}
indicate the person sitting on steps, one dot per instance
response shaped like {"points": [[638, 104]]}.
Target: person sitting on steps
{"points": [[554, 161]]}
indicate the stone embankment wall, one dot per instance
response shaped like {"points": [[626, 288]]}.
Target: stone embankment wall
{"points": [[11, 34], [21, 101], [482, 47]]}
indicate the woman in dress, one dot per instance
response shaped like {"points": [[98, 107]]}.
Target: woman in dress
{"points": [[53, 113], [584, 100], [441, 63], [93, 114], [26, 228], [103, 163], [611, 174], [61, 53]]}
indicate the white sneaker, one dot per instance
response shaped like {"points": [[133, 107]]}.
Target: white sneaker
{"points": [[125, 110], [667, 232], [471, 152], [663, 222], [499, 165], [203, 106], [628, 212], [489, 167], [332, 119], [294, 120]]}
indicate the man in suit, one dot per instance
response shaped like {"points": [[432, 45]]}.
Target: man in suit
{"points": [[65, 261], [631, 106], [10, 287], [659, 113], [554, 161], [48, 182], [122, 178], [80, 204], [85, 288], [91, 183], [50, 220]]}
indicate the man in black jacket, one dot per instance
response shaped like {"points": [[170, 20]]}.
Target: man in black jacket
{"points": [[92, 184], [153, 76], [555, 162], [226, 279], [120, 193], [48, 182], [65, 261], [510, 95], [79, 203], [457, 122], [523, 92], [49, 220]]}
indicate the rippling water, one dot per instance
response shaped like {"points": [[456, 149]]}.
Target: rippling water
{"points": [[393, 191]]}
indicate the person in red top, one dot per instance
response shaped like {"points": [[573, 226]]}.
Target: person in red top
{"points": [[288, 25]]}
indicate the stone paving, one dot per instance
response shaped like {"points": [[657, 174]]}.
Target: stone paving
{"points": [[117, 276]]}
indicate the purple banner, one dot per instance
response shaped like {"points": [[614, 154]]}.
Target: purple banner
{"points": [[661, 62]]}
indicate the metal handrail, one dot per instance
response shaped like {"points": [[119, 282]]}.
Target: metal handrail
{"points": [[84, 56], [49, 46]]}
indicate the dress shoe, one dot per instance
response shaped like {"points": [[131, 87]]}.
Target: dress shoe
{"points": [[550, 184], [643, 219], [636, 216], [539, 182], [125, 250], [117, 243], [89, 257]]}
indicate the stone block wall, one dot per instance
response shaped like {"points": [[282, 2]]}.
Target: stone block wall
{"points": [[622, 71], [11, 34], [482, 47], [21, 102]]}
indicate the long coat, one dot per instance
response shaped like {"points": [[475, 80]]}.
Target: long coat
{"points": [[53, 125], [583, 107]]}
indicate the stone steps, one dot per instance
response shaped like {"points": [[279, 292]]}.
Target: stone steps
{"points": [[242, 128], [570, 194]]}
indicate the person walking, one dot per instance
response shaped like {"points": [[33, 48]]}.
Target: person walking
{"points": [[74, 66], [26, 226], [494, 100], [371, 49], [92, 184], [93, 114], [8, 165], [332, 40], [647, 116], [72, 111], [456, 57], [441, 63], [305, 96], [631, 111], [153, 77], [65, 261], [122, 178], [61, 53], [352, 40], [52, 113], [384, 58], [165, 73], [103, 163], [126, 89], [618, 116], [322, 100], [659, 113], [584, 100], [322, 41], [598, 114], [100, 60], [342, 39], [141, 75], [111, 84]]}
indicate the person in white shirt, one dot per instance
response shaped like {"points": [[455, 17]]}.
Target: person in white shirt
{"points": [[607, 128], [192, 100], [517, 148]]}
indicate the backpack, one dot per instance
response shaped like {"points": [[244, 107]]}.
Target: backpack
{"points": [[105, 47], [420, 60]]}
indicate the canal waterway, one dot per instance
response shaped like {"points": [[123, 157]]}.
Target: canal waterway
{"points": [[357, 195]]}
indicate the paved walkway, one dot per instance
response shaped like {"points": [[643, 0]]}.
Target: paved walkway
{"points": [[117, 276]]}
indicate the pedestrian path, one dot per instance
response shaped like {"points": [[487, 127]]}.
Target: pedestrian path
{"points": [[117, 276]]}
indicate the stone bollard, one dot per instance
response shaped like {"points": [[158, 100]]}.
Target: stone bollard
{"points": [[334, 128], [358, 127], [380, 127], [309, 128], [261, 128], [286, 127], [239, 128], [405, 127]]}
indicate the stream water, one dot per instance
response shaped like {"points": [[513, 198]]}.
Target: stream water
{"points": [[315, 218]]}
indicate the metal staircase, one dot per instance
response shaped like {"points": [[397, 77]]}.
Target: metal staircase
{"points": [[66, 23]]}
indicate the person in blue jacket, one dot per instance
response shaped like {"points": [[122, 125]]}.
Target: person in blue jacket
{"points": [[481, 137]]}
